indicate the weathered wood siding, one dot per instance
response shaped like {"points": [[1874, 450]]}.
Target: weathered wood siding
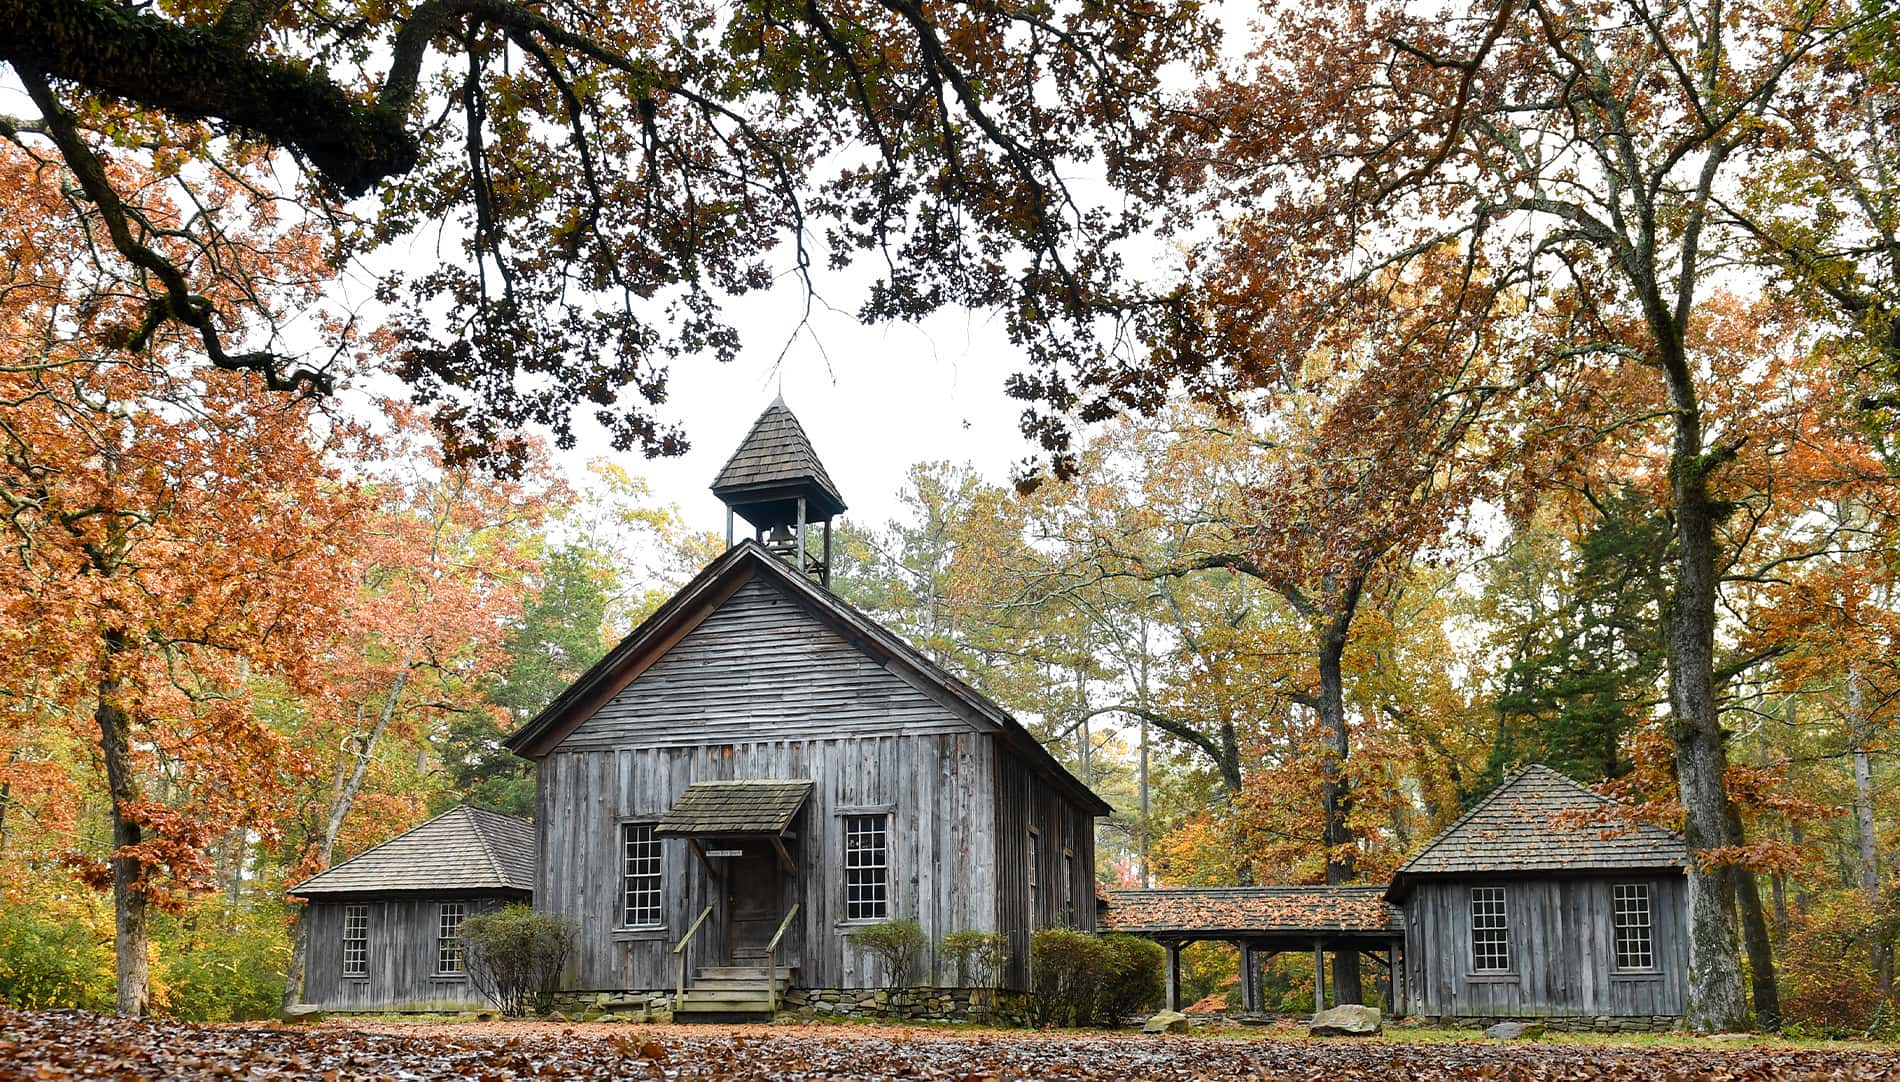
{"points": [[402, 956], [763, 667], [1065, 840], [764, 687], [1562, 950], [941, 848]]}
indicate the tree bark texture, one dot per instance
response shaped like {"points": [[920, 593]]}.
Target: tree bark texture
{"points": [[1335, 789], [1860, 731], [1716, 1001], [131, 932], [1756, 940]]}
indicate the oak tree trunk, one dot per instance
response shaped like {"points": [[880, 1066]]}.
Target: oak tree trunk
{"points": [[1336, 793], [1715, 1000], [131, 933], [1756, 941]]}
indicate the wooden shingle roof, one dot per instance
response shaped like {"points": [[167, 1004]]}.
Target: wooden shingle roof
{"points": [[463, 849], [1540, 821], [777, 458], [752, 806], [1256, 910]]}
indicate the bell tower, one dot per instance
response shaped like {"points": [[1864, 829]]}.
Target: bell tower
{"points": [[775, 482]]}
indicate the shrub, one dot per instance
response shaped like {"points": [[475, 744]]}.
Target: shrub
{"points": [[1082, 979], [979, 957], [896, 943], [222, 963], [55, 958], [1133, 978], [515, 956]]}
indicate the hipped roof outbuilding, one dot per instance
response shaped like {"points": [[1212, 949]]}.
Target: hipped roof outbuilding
{"points": [[465, 849]]}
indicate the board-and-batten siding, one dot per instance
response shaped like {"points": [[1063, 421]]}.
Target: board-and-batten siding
{"points": [[1562, 950], [402, 956], [941, 848], [1025, 803], [762, 666]]}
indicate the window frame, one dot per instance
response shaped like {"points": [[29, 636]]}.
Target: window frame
{"points": [[361, 941], [1035, 878], [656, 855], [876, 907], [1618, 928], [451, 959], [1498, 922]]}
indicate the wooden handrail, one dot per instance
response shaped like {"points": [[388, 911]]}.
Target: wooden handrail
{"points": [[771, 957], [679, 958]]}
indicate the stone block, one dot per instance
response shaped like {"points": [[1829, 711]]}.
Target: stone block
{"points": [[1515, 1031], [1345, 1020], [1166, 1022]]}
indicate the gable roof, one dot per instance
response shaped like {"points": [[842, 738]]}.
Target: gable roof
{"points": [[1518, 828], [774, 458], [749, 806], [1259, 910], [462, 849], [717, 582]]}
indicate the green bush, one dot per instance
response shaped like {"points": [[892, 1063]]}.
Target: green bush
{"points": [[1133, 978], [47, 961], [515, 956], [896, 943], [979, 957], [1081, 979], [222, 963]]}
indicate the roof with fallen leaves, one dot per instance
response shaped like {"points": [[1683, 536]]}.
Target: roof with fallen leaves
{"points": [[1258, 910], [1541, 821]]}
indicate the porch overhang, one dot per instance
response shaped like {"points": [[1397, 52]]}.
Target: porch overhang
{"points": [[735, 809]]}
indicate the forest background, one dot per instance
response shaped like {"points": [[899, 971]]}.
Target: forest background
{"points": [[1433, 392]]}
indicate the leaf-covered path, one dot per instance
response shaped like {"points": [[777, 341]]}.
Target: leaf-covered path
{"points": [[62, 1045]]}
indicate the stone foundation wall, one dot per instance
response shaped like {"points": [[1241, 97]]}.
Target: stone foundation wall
{"points": [[1641, 1023], [911, 1004]]}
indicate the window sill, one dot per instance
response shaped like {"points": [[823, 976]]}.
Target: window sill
{"points": [[623, 935], [449, 977], [860, 922], [1491, 978], [1636, 975]]}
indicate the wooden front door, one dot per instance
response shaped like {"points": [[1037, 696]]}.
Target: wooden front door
{"points": [[754, 889]]}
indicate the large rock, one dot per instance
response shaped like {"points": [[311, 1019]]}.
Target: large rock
{"points": [[1516, 1031], [303, 1012], [1345, 1020], [1166, 1022]]}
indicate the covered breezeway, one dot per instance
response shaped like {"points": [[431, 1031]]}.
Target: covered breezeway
{"points": [[1266, 921]]}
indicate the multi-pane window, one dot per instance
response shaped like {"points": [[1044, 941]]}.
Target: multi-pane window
{"points": [[1035, 880], [356, 941], [640, 878], [448, 937], [866, 868], [1490, 931], [1068, 883], [1630, 902]]}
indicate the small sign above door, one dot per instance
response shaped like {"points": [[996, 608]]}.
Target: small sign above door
{"points": [[725, 852]]}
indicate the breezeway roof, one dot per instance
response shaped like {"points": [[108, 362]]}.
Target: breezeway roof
{"points": [[1214, 912]]}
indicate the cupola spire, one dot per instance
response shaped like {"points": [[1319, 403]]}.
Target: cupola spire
{"points": [[775, 482]]}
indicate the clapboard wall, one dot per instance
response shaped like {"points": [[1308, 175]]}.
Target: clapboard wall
{"points": [[1563, 951], [402, 955]]}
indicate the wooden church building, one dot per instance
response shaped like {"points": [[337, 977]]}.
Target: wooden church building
{"points": [[760, 769]]}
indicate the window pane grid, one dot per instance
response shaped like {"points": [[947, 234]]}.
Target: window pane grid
{"points": [[642, 877], [1631, 915], [356, 941], [448, 939], [1490, 931], [866, 865]]}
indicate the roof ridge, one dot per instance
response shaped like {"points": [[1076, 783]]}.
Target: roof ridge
{"points": [[481, 839], [393, 838], [1510, 781]]}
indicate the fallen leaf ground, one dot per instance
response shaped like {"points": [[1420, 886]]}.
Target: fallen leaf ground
{"points": [[61, 1045]]}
